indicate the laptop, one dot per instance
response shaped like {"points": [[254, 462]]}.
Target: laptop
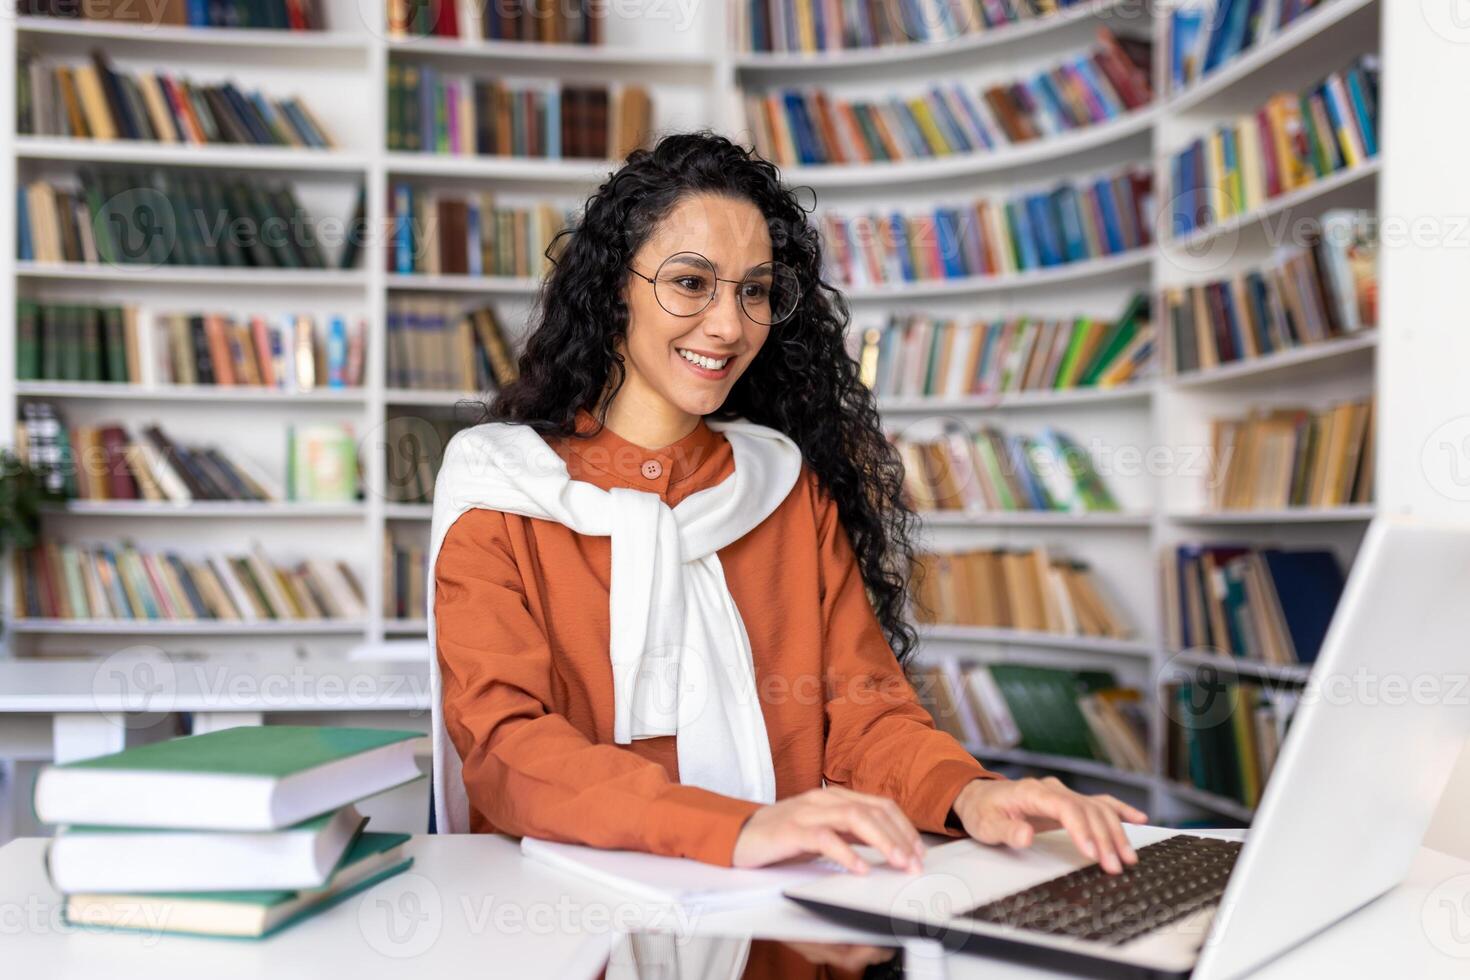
{"points": [[1369, 752]]}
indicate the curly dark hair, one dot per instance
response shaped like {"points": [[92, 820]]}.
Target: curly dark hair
{"points": [[803, 382]]}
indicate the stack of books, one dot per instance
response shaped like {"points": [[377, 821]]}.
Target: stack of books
{"points": [[1225, 747], [95, 101], [1293, 140], [193, 219], [1079, 219], [414, 446], [435, 344], [430, 111], [134, 344], [105, 582], [1294, 457], [110, 463], [1325, 289], [405, 575], [819, 25], [236, 833], [436, 232], [988, 471], [1081, 714], [1205, 34], [810, 126], [284, 15], [1023, 589], [1268, 606], [918, 355], [566, 22]]}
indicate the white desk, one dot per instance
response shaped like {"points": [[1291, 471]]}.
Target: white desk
{"points": [[470, 906]]}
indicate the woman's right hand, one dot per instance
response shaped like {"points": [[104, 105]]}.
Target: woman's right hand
{"points": [[825, 821]]}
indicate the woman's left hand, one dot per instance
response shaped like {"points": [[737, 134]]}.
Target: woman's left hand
{"points": [[1006, 811]]}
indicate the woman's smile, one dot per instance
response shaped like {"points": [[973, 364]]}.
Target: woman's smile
{"points": [[705, 364]]}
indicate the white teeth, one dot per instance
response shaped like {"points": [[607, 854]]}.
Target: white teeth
{"points": [[708, 363]]}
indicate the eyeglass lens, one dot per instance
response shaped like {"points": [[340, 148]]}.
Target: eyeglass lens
{"points": [[685, 285]]}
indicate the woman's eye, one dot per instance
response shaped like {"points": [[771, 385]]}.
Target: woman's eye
{"points": [[755, 290], [693, 284]]}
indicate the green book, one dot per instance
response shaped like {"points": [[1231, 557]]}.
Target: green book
{"points": [[242, 914], [261, 777], [27, 340], [1122, 335]]}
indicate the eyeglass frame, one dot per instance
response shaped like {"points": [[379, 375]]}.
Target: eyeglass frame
{"points": [[653, 281]]}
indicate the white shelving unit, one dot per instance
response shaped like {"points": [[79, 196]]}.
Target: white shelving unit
{"points": [[696, 81]]}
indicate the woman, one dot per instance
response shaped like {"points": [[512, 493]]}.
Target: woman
{"points": [[691, 657]]}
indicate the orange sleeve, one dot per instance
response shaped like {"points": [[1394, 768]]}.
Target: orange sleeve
{"points": [[880, 739], [526, 767]]}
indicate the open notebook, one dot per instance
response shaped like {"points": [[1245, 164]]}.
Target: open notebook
{"points": [[669, 880]]}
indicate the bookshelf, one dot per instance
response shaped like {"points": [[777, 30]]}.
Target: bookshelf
{"points": [[696, 80]]}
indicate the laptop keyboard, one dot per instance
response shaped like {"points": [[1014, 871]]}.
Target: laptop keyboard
{"points": [[1172, 878]]}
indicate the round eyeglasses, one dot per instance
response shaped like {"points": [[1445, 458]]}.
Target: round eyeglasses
{"points": [[685, 284]]}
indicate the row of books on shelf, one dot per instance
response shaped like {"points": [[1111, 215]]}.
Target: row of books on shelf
{"points": [[1224, 737], [812, 126], [565, 22], [1265, 605], [437, 345], [1027, 589], [107, 462], [1079, 714], [1073, 222], [469, 234], [178, 219], [919, 355], [1205, 34], [147, 839], [1294, 457], [100, 581], [405, 574], [987, 471], [1306, 295], [137, 345], [433, 111], [821, 25], [286, 15], [1292, 141], [96, 101]]}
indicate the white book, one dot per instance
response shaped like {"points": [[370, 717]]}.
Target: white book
{"points": [[676, 881], [84, 858]]}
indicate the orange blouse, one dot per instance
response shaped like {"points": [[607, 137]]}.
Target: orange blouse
{"points": [[521, 608]]}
